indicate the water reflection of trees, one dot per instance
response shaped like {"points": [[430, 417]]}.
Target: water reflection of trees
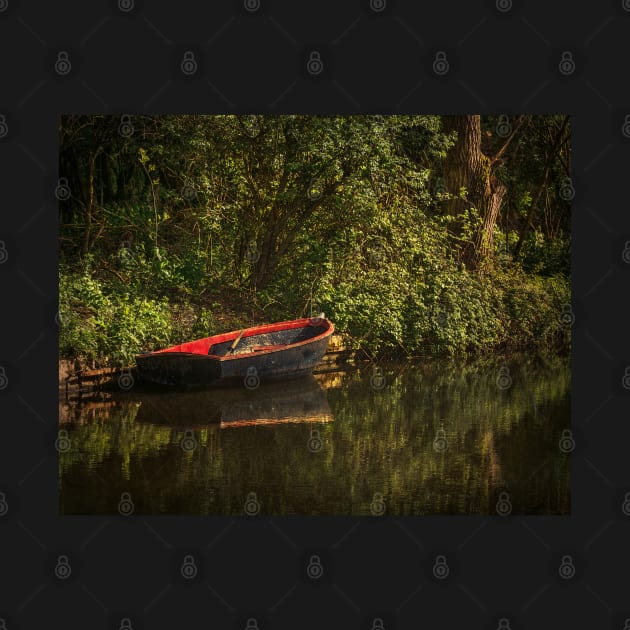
{"points": [[380, 441]]}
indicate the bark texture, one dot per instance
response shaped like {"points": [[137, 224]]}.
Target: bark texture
{"points": [[467, 167]]}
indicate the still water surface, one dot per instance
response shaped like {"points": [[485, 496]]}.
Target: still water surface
{"points": [[435, 438]]}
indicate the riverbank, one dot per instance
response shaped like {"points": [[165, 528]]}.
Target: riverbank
{"points": [[85, 385], [105, 323]]}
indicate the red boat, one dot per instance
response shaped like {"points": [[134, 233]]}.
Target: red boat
{"points": [[247, 357]]}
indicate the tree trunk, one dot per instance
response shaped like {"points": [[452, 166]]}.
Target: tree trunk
{"points": [[467, 167], [89, 209], [484, 245]]}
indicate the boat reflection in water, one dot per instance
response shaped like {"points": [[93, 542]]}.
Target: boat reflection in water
{"points": [[298, 400]]}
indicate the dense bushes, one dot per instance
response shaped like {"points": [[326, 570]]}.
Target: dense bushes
{"points": [[98, 324], [385, 311], [420, 303], [197, 225], [435, 307]]}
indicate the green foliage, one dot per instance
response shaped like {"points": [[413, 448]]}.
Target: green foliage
{"points": [[533, 307], [414, 296], [205, 325], [545, 256], [96, 324], [346, 213]]}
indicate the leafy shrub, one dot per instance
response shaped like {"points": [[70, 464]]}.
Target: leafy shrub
{"points": [[420, 300], [96, 324], [533, 308], [546, 256]]}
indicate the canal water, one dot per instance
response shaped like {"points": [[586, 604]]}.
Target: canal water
{"points": [[416, 438]]}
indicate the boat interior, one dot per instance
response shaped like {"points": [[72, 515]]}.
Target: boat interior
{"points": [[265, 341], [259, 339]]}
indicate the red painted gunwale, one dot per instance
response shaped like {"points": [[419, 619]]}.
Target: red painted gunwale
{"points": [[201, 346]]}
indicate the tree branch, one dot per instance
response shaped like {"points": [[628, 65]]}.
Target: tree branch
{"points": [[519, 123]]}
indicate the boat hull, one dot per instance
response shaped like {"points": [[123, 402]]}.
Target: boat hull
{"points": [[248, 368], [178, 369]]}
